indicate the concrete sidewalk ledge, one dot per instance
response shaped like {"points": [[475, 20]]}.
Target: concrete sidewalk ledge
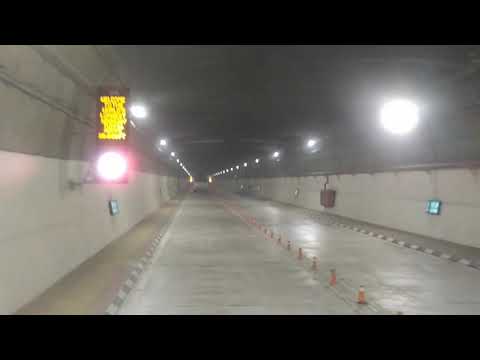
{"points": [[105, 280]]}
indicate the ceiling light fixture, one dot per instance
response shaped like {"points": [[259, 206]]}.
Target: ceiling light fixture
{"points": [[311, 143], [138, 111], [399, 116]]}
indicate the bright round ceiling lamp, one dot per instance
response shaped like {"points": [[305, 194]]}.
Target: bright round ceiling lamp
{"points": [[138, 111], [399, 116], [111, 166]]}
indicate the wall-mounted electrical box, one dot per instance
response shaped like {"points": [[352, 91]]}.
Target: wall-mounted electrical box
{"points": [[113, 207], [433, 207], [327, 198]]}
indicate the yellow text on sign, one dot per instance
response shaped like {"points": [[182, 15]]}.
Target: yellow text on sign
{"points": [[113, 117]]}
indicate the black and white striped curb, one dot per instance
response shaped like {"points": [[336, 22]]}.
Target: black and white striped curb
{"points": [[422, 249], [133, 278], [137, 271]]}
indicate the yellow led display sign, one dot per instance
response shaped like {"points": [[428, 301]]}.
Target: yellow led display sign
{"points": [[113, 117], [112, 154]]}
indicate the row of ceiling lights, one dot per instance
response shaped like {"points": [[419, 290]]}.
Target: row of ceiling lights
{"points": [[140, 112], [399, 117], [275, 156]]}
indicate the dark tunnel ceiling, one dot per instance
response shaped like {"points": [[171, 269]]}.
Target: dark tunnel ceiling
{"points": [[220, 104]]}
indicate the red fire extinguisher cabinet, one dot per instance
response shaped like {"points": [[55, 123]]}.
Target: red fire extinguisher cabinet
{"points": [[327, 198]]}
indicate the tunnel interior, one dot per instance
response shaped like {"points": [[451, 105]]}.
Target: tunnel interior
{"points": [[333, 153]]}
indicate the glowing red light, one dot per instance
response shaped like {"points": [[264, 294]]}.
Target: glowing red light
{"points": [[111, 166]]}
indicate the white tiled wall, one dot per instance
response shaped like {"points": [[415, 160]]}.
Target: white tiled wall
{"points": [[396, 200]]}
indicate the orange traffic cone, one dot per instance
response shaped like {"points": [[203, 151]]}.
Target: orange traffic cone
{"points": [[300, 254], [314, 264], [289, 245], [361, 296], [333, 277]]}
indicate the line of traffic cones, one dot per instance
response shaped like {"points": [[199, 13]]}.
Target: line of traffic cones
{"points": [[361, 297]]}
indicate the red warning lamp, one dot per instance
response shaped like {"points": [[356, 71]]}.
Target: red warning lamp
{"points": [[112, 166]]}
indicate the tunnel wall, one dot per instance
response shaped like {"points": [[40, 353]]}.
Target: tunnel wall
{"points": [[49, 229], [395, 200], [46, 142]]}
